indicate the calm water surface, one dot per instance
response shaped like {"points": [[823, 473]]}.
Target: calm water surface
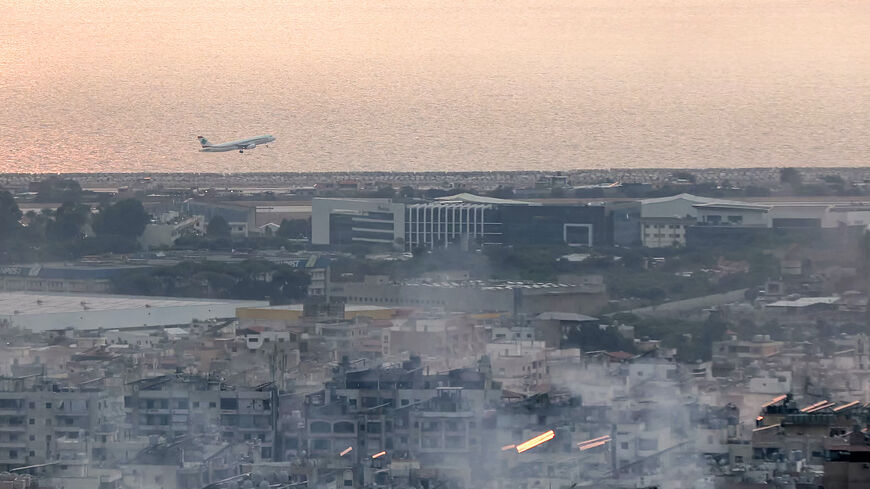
{"points": [[126, 85]]}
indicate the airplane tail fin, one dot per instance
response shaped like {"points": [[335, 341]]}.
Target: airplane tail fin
{"points": [[203, 141]]}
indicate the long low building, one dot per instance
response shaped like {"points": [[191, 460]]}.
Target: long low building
{"points": [[40, 312], [463, 219], [474, 295]]}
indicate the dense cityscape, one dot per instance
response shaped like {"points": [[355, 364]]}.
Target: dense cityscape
{"points": [[697, 329]]}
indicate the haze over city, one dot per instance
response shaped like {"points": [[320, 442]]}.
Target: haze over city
{"points": [[123, 86], [518, 244]]}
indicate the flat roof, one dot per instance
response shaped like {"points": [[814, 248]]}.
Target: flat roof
{"points": [[23, 303], [479, 199], [347, 308], [733, 205], [804, 302]]}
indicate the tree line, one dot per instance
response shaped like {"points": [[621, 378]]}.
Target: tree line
{"points": [[71, 230]]}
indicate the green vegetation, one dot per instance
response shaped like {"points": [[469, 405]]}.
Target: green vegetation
{"points": [[65, 233], [218, 227], [56, 189], [294, 229], [251, 279], [125, 219], [692, 339]]}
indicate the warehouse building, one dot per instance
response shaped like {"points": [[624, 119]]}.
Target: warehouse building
{"points": [[40, 312]]}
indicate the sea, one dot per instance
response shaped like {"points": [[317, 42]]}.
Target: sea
{"points": [[425, 85]]}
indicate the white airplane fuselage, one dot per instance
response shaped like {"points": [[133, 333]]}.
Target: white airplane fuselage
{"points": [[240, 145]]}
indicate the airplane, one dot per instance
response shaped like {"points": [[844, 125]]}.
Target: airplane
{"points": [[240, 145]]}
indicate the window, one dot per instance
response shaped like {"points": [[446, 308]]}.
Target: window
{"points": [[647, 445], [321, 444], [31, 421], [48, 405], [320, 427], [13, 454], [195, 404], [229, 403], [454, 442], [212, 404]]}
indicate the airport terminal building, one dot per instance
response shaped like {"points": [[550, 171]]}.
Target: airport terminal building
{"points": [[463, 219]]}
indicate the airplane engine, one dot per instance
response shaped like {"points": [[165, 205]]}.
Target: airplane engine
{"points": [[251, 146]]}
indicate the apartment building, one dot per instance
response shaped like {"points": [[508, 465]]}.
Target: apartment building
{"points": [[41, 419], [178, 405]]}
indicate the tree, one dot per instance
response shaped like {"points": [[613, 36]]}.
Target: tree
{"points": [[383, 193], [126, 218], [10, 215], [502, 192], [684, 175], [55, 189], [790, 176], [294, 228], [217, 227], [69, 219]]}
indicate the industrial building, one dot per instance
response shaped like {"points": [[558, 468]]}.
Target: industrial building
{"points": [[40, 312], [62, 277], [474, 295]]}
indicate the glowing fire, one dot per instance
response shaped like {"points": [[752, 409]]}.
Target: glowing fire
{"points": [[345, 451], [532, 443], [508, 447], [379, 454], [595, 442]]}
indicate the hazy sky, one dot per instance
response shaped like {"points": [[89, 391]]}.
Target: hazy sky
{"points": [[400, 85]]}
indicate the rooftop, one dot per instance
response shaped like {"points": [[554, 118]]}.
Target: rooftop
{"points": [[804, 302], [347, 308], [478, 199], [564, 316], [15, 303]]}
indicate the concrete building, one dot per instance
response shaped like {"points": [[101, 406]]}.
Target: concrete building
{"points": [[40, 419], [39, 312], [248, 217], [347, 221], [290, 315], [61, 277], [847, 461], [164, 234], [476, 296], [179, 405], [462, 219], [664, 220], [736, 214], [520, 365]]}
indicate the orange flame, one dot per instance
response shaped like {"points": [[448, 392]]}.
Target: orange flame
{"points": [[508, 447], [593, 445], [345, 451], [533, 442], [379, 454], [605, 439]]}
